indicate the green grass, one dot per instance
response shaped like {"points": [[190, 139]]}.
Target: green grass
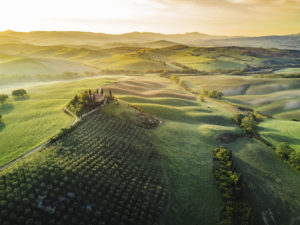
{"points": [[278, 97], [185, 140], [272, 185], [29, 122], [288, 71], [276, 131]]}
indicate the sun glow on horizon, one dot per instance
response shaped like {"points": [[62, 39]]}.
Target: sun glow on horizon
{"points": [[223, 17]]}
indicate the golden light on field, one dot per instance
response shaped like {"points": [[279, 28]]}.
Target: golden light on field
{"points": [[222, 17]]}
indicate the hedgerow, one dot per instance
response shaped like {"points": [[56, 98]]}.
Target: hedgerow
{"points": [[236, 210]]}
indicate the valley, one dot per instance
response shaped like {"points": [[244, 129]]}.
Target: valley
{"points": [[146, 155]]}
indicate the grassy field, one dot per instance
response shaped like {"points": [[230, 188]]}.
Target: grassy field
{"points": [[272, 185], [190, 127], [189, 131], [276, 131], [31, 121], [185, 140], [278, 97]]}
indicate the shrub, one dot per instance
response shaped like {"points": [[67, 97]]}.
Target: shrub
{"points": [[215, 94], [248, 124], [211, 93], [3, 98], [284, 150], [238, 118], [295, 159], [19, 93]]}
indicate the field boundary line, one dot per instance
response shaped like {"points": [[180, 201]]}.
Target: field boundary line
{"points": [[76, 120]]}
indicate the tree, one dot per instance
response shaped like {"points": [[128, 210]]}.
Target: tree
{"points": [[295, 159], [204, 92], [19, 93], [284, 150], [248, 124], [238, 118], [110, 94], [3, 98]]}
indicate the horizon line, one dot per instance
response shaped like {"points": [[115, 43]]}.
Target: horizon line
{"points": [[150, 32]]}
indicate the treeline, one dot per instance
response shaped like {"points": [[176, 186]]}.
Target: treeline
{"points": [[249, 124], [292, 75], [87, 101], [262, 69], [236, 209], [184, 84], [176, 79]]}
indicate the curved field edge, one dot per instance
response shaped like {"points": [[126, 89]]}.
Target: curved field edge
{"points": [[30, 122]]}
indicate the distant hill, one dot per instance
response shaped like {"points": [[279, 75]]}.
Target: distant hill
{"points": [[98, 39], [280, 42], [144, 39]]}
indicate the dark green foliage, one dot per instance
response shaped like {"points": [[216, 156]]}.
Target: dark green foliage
{"points": [[295, 159], [238, 118], [284, 150], [248, 124], [236, 210], [211, 93], [106, 171], [19, 93], [3, 98], [86, 101]]}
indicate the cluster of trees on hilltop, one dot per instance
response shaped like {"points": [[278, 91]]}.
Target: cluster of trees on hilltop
{"points": [[86, 101]]}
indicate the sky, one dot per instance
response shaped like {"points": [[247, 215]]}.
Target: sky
{"points": [[217, 17]]}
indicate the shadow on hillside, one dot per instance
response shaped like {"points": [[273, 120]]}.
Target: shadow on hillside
{"points": [[267, 181], [266, 129], [22, 98], [6, 108], [2, 125], [192, 116], [287, 139], [264, 193]]}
